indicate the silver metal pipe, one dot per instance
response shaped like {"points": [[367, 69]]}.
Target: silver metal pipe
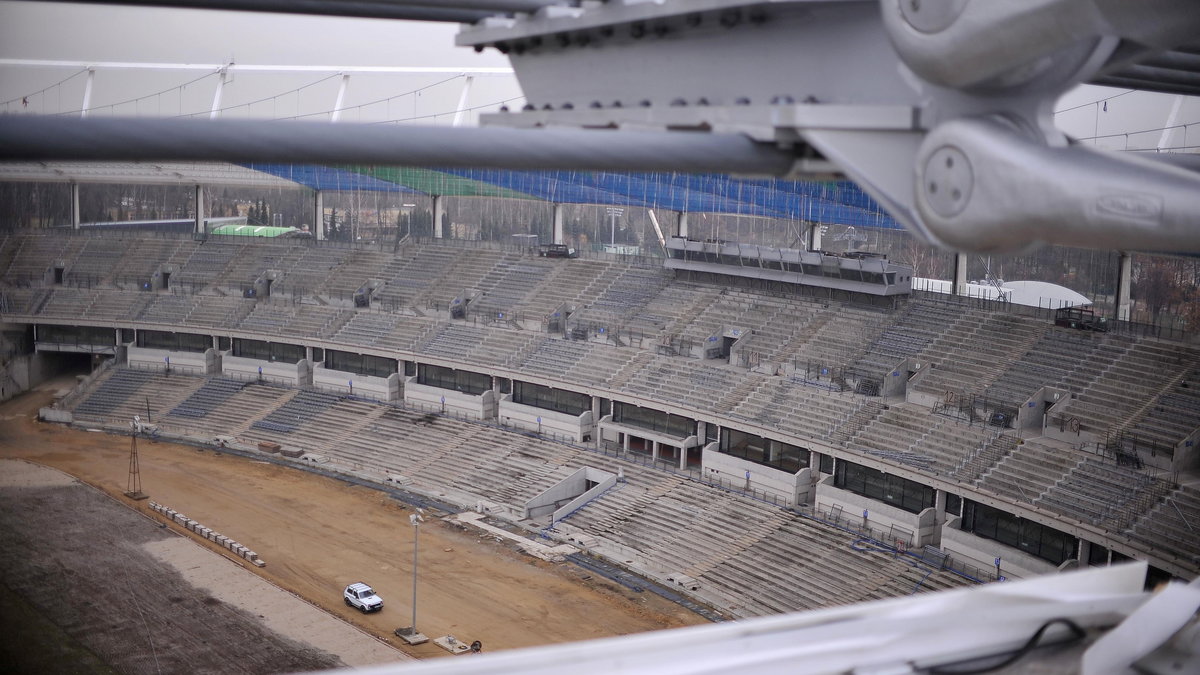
{"points": [[497, 6], [28, 137], [369, 9]]}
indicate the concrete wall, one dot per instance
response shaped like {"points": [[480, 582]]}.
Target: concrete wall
{"points": [[367, 386], [1187, 453], [248, 369], [570, 493], [55, 415], [604, 481], [608, 430], [791, 487], [880, 516], [895, 381], [1031, 416], [968, 548], [920, 370], [437, 399], [191, 363], [520, 416]]}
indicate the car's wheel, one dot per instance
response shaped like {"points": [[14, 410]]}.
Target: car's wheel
{"points": [[363, 609], [347, 602]]}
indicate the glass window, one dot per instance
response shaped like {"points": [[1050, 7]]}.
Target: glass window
{"points": [[1033, 538], [900, 492], [653, 420], [76, 335], [558, 400], [276, 352], [360, 364], [175, 342], [464, 381], [252, 349], [953, 504]]}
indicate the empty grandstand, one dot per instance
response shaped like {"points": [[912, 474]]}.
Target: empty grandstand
{"points": [[761, 428]]}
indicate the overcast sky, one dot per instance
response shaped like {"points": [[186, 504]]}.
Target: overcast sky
{"points": [[66, 32]]}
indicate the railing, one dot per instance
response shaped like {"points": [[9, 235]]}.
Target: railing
{"points": [[890, 537], [167, 369]]}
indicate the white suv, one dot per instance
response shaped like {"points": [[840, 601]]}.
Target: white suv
{"points": [[363, 597]]}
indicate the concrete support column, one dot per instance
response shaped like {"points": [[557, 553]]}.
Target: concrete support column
{"points": [[960, 274], [939, 505], [1085, 552], [75, 205], [654, 450], [682, 229], [1124, 281], [318, 215], [200, 209], [439, 214], [557, 219], [625, 441], [813, 240]]}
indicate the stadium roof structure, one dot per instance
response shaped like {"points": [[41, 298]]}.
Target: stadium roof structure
{"points": [[834, 202], [840, 202], [145, 173]]}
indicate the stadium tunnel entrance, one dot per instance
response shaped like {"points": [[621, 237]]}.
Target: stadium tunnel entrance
{"points": [[23, 372]]}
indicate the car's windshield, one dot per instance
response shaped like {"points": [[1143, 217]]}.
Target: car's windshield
{"points": [[366, 593]]}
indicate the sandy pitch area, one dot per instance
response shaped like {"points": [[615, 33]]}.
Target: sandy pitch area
{"points": [[318, 534]]}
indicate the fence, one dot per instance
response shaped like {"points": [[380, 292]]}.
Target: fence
{"points": [[889, 538], [168, 368], [1047, 312], [976, 408]]}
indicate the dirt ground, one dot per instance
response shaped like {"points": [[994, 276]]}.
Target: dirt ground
{"points": [[318, 534]]}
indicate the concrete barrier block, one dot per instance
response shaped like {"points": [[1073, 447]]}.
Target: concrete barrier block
{"points": [[259, 563], [54, 415]]}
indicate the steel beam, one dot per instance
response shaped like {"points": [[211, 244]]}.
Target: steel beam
{"points": [[24, 137], [367, 9]]}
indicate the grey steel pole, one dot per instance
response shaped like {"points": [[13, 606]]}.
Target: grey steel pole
{"points": [[416, 537], [40, 138]]}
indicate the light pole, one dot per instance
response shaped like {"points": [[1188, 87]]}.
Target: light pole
{"points": [[416, 523], [410, 634]]}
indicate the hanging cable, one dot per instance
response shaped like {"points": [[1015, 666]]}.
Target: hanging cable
{"points": [[439, 114], [112, 106], [261, 100], [1090, 103], [378, 101], [1126, 134], [25, 97], [1077, 634]]}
